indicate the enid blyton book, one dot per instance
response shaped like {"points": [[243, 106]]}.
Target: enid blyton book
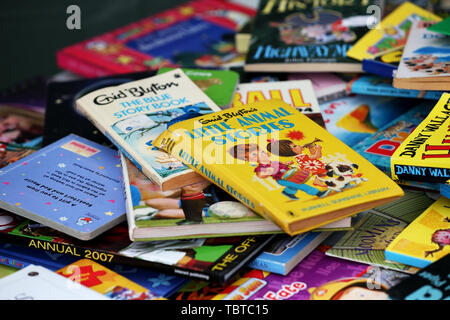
{"points": [[280, 164], [73, 185], [426, 239], [297, 93], [133, 114], [425, 154], [198, 210], [308, 36], [377, 227], [425, 63], [196, 34]]}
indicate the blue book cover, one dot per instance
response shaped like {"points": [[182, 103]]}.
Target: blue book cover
{"points": [[380, 86], [354, 118], [445, 190], [379, 147], [73, 185], [380, 68], [285, 252]]}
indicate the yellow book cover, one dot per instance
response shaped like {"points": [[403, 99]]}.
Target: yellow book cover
{"points": [[105, 281], [390, 33], [425, 154], [426, 239], [279, 163]]}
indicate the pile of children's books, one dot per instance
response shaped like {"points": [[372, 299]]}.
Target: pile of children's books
{"points": [[282, 150]]}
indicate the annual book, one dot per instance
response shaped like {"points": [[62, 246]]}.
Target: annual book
{"points": [[280, 164], [424, 155], [306, 36], [133, 114], [72, 185], [425, 240]]}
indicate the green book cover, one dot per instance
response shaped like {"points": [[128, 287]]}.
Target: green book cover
{"points": [[441, 27], [377, 227], [311, 35]]}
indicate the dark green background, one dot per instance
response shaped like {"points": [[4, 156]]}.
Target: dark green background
{"points": [[32, 31]]}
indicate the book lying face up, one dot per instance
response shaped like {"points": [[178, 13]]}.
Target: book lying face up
{"points": [[72, 185]]}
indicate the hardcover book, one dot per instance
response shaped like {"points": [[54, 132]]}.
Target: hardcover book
{"points": [[377, 227], [424, 155], [306, 36], [73, 185], [133, 114], [425, 240], [197, 34], [384, 65], [425, 63], [195, 211], [280, 164], [431, 283], [297, 93], [285, 252], [445, 190]]}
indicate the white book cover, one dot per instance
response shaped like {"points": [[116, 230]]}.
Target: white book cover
{"points": [[133, 114], [38, 283]]}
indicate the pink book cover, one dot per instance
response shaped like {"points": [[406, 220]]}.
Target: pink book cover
{"points": [[327, 86], [197, 34]]}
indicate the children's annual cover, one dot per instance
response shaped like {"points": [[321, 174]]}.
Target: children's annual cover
{"points": [[280, 164], [426, 239], [306, 36], [73, 185], [133, 114], [196, 34]]}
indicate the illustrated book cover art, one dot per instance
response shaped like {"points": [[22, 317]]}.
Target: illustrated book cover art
{"points": [[379, 86], [73, 185], [285, 252], [38, 283], [280, 164], [105, 281], [425, 63], [441, 27], [133, 114], [317, 277], [219, 85], [354, 118], [196, 34], [306, 36], [379, 147], [61, 104], [426, 239], [376, 228], [195, 211], [424, 155], [431, 283]]}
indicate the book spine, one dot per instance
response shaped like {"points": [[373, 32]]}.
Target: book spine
{"points": [[13, 262], [407, 260], [267, 265], [409, 172]]}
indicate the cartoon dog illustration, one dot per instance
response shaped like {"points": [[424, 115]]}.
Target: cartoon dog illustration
{"points": [[341, 176]]}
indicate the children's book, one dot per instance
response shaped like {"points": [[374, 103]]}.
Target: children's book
{"points": [[376, 228], [297, 93], [353, 118], [431, 283], [445, 190], [425, 63], [424, 155], [385, 65], [280, 164], [133, 114], [306, 36], [425, 239], [285, 252], [379, 86], [61, 116], [441, 27], [219, 85], [391, 33], [326, 86], [105, 281], [197, 34], [317, 277], [28, 94], [38, 283], [73, 185], [379, 147]]}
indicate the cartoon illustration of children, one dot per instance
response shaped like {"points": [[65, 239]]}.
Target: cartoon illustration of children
{"points": [[349, 289], [292, 178]]}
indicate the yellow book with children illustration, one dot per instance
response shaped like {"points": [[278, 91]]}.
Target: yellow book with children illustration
{"points": [[279, 163]]}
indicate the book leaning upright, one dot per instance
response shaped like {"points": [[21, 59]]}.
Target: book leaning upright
{"points": [[279, 163], [131, 115]]}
